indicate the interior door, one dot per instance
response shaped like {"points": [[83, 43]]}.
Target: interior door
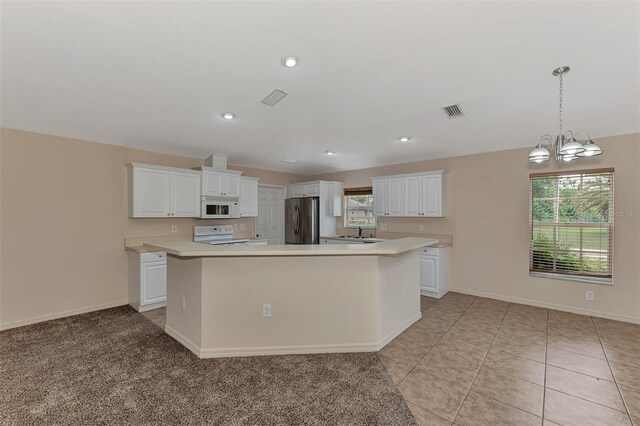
{"points": [[270, 220]]}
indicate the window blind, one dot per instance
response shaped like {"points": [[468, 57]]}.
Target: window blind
{"points": [[363, 190], [571, 224]]}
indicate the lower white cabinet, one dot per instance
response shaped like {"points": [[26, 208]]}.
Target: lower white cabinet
{"points": [[434, 271], [147, 280]]}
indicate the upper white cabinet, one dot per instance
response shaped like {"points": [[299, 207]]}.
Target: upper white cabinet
{"points": [[305, 190], [411, 195], [156, 191], [220, 184], [248, 196], [388, 196]]}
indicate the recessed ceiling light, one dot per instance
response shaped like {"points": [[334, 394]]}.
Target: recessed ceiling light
{"points": [[290, 61], [404, 139], [290, 160], [330, 152], [228, 115]]}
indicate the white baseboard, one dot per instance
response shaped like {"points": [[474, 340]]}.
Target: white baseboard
{"points": [[183, 340], [395, 333], [289, 350], [556, 306], [63, 314]]}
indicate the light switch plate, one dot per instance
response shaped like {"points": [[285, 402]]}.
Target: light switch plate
{"points": [[421, 227], [174, 228], [243, 226], [383, 226]]}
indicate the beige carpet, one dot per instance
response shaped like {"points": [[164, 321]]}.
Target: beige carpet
{"points": [[116, 367]]}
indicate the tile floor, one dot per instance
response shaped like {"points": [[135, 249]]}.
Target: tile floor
{"points": [[158, 316], [476, 361]]}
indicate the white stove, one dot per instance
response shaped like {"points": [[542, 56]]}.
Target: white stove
{"points": [[216, 235]]}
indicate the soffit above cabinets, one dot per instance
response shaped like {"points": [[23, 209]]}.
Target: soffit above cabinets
{"points": [[158, 75]]}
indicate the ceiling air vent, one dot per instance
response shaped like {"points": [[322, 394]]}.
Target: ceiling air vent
{"points": [[453, 111], [274, 97]]}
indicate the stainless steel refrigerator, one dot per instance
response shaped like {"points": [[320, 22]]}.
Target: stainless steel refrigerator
{"points": [[302, 222]]}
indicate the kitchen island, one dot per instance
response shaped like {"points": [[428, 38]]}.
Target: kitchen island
{"points": [[288, 299]]}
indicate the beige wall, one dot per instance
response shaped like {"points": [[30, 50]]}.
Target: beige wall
{"points": [[63, 217], [487, 213]]}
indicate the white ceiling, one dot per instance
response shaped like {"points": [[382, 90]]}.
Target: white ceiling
{"points": [[156, 76]]}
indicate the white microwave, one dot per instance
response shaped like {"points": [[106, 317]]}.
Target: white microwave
{"points": [[220, 208]]}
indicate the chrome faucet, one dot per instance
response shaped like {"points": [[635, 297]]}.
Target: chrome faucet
{"points": [[359, 232]]}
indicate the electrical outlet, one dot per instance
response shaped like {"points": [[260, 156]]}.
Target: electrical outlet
{"points": [[383, 226], [243, 226], [266, 310], [235, 226], [183, 302], [590, 296], [174, 228], [420, 227]]}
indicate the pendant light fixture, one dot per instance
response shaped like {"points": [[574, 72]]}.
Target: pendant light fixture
{"points": [[566, 146]]}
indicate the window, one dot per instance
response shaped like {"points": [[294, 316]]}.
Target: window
{"points": [[359, 208], [571, 218]]}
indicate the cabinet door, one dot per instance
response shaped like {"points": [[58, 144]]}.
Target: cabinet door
{"points": [[413, 196], [151, 193], [248, 198], [336, 194], [212, 183], [432, 195], [379, 197], [395, 198], [429, 273], [312, 190], [297, 190], [153, 282], [185, 194], [231, 185]]}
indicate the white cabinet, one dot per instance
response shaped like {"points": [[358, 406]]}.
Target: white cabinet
{"points": [[388, 197], [411, 195], [156, 191], [217, 184], [185, 194], [336, 193], [434, 271], [147, 280], [305, 190], [248, 196]]}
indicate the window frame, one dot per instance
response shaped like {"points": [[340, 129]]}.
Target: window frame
{"points": [[353, 192], [607, 279]]}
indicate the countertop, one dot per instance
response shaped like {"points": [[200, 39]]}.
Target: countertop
{"points": [[136, 244], [183, 248], [443, 239]]}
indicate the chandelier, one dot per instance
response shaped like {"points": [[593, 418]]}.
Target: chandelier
{"points": [[566, 146]]}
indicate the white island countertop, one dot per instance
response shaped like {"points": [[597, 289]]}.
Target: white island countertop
{"points": [[182, 248]]}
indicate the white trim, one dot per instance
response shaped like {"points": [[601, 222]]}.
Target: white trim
{"points": [[395, 333], [558, 307], [63, 314], [183, 340], [166, 168], [578, 278], [287, 350]]}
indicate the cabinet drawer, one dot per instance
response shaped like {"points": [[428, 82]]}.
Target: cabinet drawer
{"points": [[429, 251], [153, 256]]}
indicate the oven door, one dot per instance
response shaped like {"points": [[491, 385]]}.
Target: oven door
{"points": [[215, 210]]}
